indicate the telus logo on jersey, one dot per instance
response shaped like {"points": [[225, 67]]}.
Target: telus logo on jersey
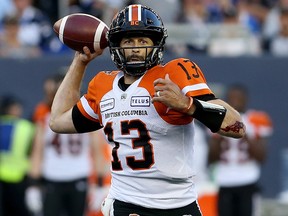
{"points": [[140, 101], [107, 104]]}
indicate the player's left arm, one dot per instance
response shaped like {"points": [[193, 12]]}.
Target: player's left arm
{"points": [[232, 124], [216, 114]]}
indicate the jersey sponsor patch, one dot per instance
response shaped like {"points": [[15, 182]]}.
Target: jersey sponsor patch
{"points": [[140, 101], [107, 104]]}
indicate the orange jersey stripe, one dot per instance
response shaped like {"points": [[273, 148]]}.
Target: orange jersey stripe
{"points": [[82, 110], [134, 12], [95, 94], [259, 118]]}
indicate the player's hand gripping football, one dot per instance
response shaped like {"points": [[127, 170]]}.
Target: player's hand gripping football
{"points": [[86, 56], [168, 93]]}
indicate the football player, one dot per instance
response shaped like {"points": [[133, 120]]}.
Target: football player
{"points": [[146, 110]]}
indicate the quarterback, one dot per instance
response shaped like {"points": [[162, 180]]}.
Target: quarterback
{"points": [[146, 109]]}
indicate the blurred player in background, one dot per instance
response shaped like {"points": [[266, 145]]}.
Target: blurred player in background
{"points": [[238, 161], [64, 162], [16, 137]]}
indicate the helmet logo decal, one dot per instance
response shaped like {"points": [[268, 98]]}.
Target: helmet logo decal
{"points": [[134, 14]]}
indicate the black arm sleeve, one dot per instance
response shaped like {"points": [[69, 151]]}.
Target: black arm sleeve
{"points": [[211, 115], [81, 123]]}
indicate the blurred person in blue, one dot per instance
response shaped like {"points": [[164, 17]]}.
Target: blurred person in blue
{"points": [[16, 136], [194, 13], [279, 44], [103, 9], [167, 9], [6, 8], [271, 25], [35, 27], [232, 38], [51, 8], [252, 15], [93, 7], [10, 44], [237, 162]]}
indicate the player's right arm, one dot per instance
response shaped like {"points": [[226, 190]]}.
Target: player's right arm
{"points": [[68, 93]]}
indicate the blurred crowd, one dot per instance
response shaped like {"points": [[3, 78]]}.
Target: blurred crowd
{"points": [[214, 27]]}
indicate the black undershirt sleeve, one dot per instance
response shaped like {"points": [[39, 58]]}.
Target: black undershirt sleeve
{"points": [[81, 123], [206, 97]]}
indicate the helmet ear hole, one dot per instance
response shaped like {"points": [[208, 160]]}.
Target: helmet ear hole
{"points": [[149, 21], [142, 22]]}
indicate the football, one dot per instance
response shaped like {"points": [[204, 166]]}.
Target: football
{"points": [[79, 30]]}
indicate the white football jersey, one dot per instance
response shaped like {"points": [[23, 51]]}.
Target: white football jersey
{"points": [[66, 157], [236, 168], [152, 156]]}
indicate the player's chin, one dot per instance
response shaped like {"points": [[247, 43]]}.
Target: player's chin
{"points": [[135, 62]]}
